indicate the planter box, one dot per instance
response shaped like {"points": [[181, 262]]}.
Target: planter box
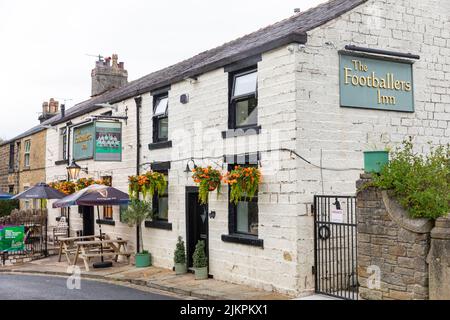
{"points": [[180, 268], [201, 273], [143, 260], [374, 161]]}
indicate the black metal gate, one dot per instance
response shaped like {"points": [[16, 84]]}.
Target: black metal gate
{"points": [[335, 246]]}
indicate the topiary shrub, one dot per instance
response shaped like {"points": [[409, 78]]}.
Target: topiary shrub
{"points": [[180, 254], [421, 183], [199, 256]]}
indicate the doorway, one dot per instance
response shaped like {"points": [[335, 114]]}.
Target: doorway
{"points": [[196, 223], [88, 220]]}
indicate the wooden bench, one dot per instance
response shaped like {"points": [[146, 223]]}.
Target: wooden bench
{"points": [[105, 248], [68, 247]]}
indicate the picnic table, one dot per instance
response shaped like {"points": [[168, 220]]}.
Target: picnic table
{"points": [[100, 248], [68, 247]]}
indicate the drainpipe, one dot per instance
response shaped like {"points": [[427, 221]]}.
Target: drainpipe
{"points": [[138, 101], [63, 113]]}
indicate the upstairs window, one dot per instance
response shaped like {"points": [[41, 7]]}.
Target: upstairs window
{"points": [[63, 143], [243, 99], [160, 118], [27, 153], [11, 157]]}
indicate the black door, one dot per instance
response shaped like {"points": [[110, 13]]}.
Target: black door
{"points": [[88, 220], [196, 223]]}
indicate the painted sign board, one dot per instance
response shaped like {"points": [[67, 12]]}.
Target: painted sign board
{"points": [[12, 238], [108, 141], [337, 216], [375, 83], [83, 142]]}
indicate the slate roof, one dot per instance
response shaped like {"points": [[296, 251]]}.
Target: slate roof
{"points": [[287, 31]]}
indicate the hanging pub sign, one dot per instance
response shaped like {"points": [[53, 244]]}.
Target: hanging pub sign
{"points": [[108, 141], [12, 238], [83, 142], [375, 83]]}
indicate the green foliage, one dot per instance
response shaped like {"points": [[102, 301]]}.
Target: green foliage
{"points": [[137, 212], [145, 252], [420, 183], [199, 256], [180, 254], [6, 206]]}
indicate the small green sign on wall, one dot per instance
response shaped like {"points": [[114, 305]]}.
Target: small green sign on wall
{"points": [[375, 83]]}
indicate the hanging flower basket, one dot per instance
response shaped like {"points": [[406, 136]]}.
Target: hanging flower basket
{"points": [[244, 182], [147, 183], [208, 179], [69, 187]]}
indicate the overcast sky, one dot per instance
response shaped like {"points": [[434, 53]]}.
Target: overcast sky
{"points": [[44, 43]]}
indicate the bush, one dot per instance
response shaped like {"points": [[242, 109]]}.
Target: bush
{"points": [[6, 206], [199, 256], [180, 254], [420, 183]]}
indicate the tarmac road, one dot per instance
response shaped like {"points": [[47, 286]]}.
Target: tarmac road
{"points": [[29, 287]]}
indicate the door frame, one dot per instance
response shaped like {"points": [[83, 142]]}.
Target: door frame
{"points": [[82, 209], [191, 190]]}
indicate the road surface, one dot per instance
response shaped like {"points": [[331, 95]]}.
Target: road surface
{"points": [[29, 287]]}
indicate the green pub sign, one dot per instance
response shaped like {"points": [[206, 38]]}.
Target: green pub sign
{"points": [[100, 140], [376, 83], [108, 141], [83, 142]]}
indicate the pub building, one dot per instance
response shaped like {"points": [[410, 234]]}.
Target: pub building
{"points": [[300, 99]]}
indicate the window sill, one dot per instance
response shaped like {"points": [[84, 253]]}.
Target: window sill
{"points": [[61, 162], [239, 132], [26, 168], [243, 239], [160, 145], [157, 224], [109, 222]]}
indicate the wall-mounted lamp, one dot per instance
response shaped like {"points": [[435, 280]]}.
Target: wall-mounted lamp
{"points": [[73, 171], [212, 214], [188, 168]]}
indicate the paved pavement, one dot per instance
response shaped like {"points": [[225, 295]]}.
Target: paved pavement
{"points": [[30, 287], [159, 279]]}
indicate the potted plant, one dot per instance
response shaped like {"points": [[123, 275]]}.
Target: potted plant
{"points": [[208, 179], [135, 214], [147, 183], [180, 257], [243, 182], [200, 262]]}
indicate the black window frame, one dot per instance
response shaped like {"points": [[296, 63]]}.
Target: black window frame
{"points": [[233, 100], [155, 200], [63, 136], [157, 119], [232, 209], [12, 157]]}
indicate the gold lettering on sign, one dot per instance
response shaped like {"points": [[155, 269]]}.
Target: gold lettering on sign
{"points": [[386, 82]]}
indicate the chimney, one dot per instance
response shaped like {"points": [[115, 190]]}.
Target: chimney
{"points": [[63, 110], [49, 110], [108, 74]]}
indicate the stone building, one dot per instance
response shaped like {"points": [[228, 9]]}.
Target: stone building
{"points": [[301, 99], [22, 163]]}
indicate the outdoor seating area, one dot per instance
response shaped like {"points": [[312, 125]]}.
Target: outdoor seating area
{"points": [[91, 247]]}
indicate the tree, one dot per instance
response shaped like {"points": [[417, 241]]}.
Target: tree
{"points": [[135, 214]]}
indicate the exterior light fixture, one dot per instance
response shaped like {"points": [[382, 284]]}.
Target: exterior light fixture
{"points": [[188, 168], [73, 171]]}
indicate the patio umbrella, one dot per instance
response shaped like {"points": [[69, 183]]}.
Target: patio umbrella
{"points": [[40, 191], [5, 196], [95, 195]]}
